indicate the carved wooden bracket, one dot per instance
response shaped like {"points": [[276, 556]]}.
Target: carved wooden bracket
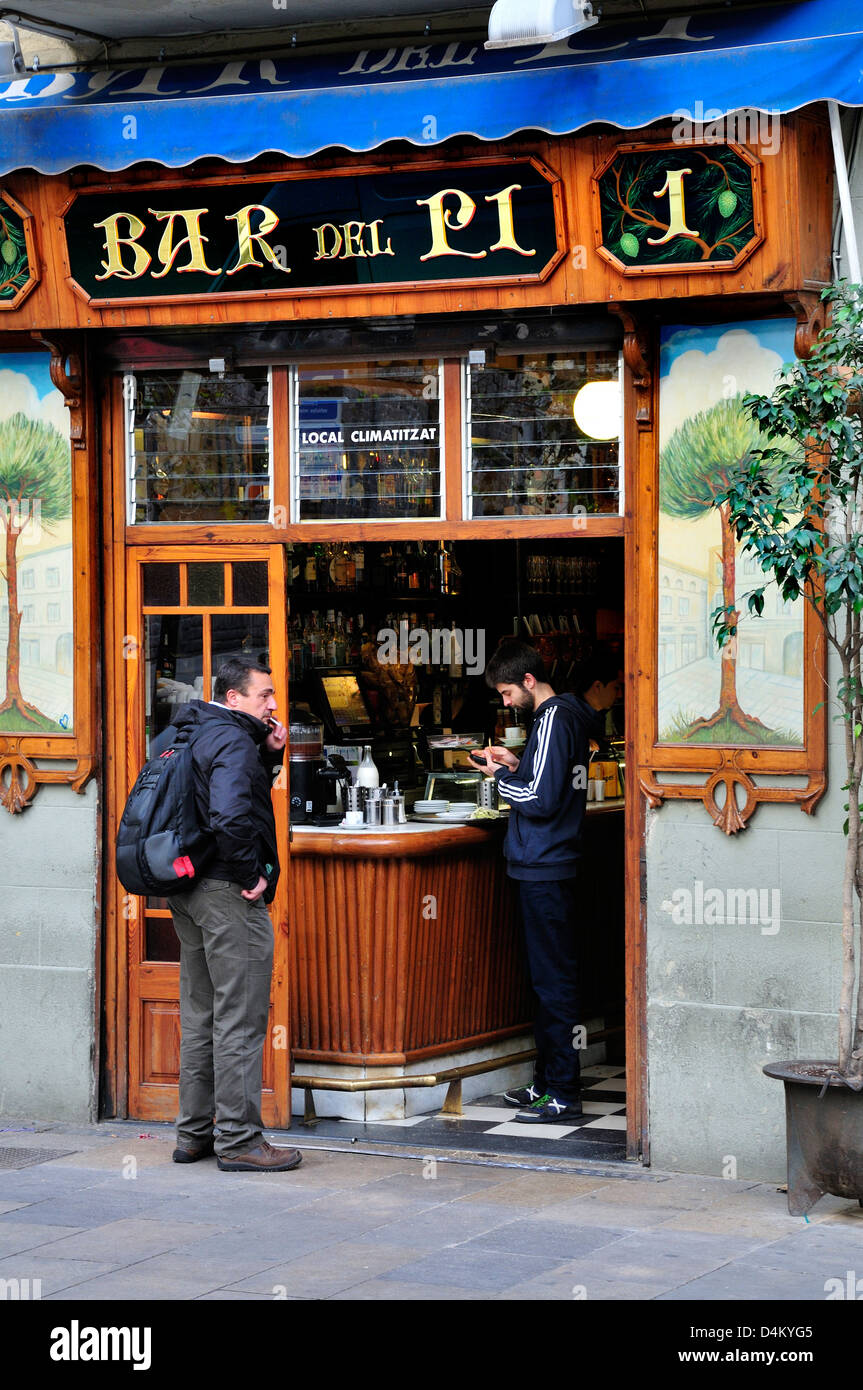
{"points": [[730, 816], [70, 384], [810, 312], [20, 777], [636, 355]]}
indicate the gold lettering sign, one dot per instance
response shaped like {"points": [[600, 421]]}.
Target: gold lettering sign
{"points": [[168, 252], [293, 234], [114, 265], [673, 186], [246, 238]]}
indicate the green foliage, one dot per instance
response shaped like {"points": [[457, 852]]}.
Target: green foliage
{"points": [[14, 266], [702, 456], [12, 721], [799, 510], [682, 729], [34, 466]]}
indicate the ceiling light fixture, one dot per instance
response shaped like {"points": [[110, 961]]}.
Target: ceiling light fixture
{"points": [[516, 23]]}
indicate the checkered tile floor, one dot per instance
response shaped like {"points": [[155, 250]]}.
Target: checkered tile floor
{"points": [[488, 1125]]}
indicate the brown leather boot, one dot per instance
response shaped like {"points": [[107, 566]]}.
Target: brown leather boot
{"points": [[190, 1153], [266, 1158]]}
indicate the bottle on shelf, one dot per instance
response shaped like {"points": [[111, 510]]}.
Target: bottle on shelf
{"points": [[166, 663], [312, 639], [401, 572], [322, 567], [367, 773], [455, 576], [456, 655], [310, 572], [354, 642], [413, 569], [340, 645], [444, 569], [359, 566], [329, 641]]}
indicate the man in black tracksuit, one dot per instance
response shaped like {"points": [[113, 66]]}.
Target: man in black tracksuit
{"points": [[547, 792], [225, 932]]}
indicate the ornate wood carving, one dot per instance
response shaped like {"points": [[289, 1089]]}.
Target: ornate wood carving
{"points": [[730, 816], [69, 383], [636, 355], [20, 778], [810, 312]]}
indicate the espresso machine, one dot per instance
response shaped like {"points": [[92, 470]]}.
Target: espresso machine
{"points": [[313, 776]]}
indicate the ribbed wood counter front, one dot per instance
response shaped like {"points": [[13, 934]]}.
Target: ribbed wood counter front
{"points": [[404, 944]]}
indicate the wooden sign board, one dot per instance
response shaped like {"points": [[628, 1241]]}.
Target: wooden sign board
{"points": [[487, 221]]}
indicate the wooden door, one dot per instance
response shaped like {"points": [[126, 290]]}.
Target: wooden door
{"points": [[189, 609]]}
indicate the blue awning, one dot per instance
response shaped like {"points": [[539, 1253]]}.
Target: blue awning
{"points": [[703, 66]]}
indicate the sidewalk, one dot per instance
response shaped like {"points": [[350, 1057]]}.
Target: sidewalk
{"points": [[104, 1214]]}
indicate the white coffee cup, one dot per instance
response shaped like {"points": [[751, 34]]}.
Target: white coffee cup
{"points": [[599, 789]]}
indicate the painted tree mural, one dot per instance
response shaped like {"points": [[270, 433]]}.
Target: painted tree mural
{"points": [[35, 483], [695, 466]]}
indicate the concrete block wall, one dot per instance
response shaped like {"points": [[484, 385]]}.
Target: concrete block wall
{"points": [[48, 1029], [725, 998]]}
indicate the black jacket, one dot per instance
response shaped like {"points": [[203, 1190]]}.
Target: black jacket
{"points": [[233, 784], [547, 793]]}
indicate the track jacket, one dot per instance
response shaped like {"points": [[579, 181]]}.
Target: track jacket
{"points": [[547, 793], [233, 783]]}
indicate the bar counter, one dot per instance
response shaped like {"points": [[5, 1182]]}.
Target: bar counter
{"points": [[405, 947]]}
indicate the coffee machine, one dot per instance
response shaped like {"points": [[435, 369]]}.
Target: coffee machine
{"points": [[312, 778]]}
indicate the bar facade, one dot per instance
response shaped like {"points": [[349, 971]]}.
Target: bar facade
{"points": [[287, 392]]}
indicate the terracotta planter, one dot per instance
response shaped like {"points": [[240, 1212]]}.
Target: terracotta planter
{"points": [[824, 1134]]}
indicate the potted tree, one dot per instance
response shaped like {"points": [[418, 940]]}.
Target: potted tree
{"points": [[796, 503]]}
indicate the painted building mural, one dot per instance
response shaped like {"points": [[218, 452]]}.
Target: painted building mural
{"points": [[750, 692], [36, 576]]}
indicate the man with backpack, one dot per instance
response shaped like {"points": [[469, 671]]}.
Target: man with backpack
{"points": [[225, 932]]}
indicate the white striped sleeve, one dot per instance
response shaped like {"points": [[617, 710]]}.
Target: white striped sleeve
{"points": [[520, 793]]}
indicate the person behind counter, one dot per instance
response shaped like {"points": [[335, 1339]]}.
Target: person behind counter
{"points": [[547, 791]]}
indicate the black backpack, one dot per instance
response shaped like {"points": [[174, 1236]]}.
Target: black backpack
{"points": [[161, 847]]}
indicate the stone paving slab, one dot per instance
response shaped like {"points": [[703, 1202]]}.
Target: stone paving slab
{"points": [[56, 1275], [594, 1211], [15, 1237], [467, 1267], [366, 1227], [443, 1226], [124, 1242], [325, 1273], [380, 1290], [545, 1238]]}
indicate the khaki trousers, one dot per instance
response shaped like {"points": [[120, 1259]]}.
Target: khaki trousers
{"points": [[226, 965]]}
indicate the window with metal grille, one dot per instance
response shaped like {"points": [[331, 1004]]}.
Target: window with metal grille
{"points": [[544, 433], [199, 445], [367, 440]]}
